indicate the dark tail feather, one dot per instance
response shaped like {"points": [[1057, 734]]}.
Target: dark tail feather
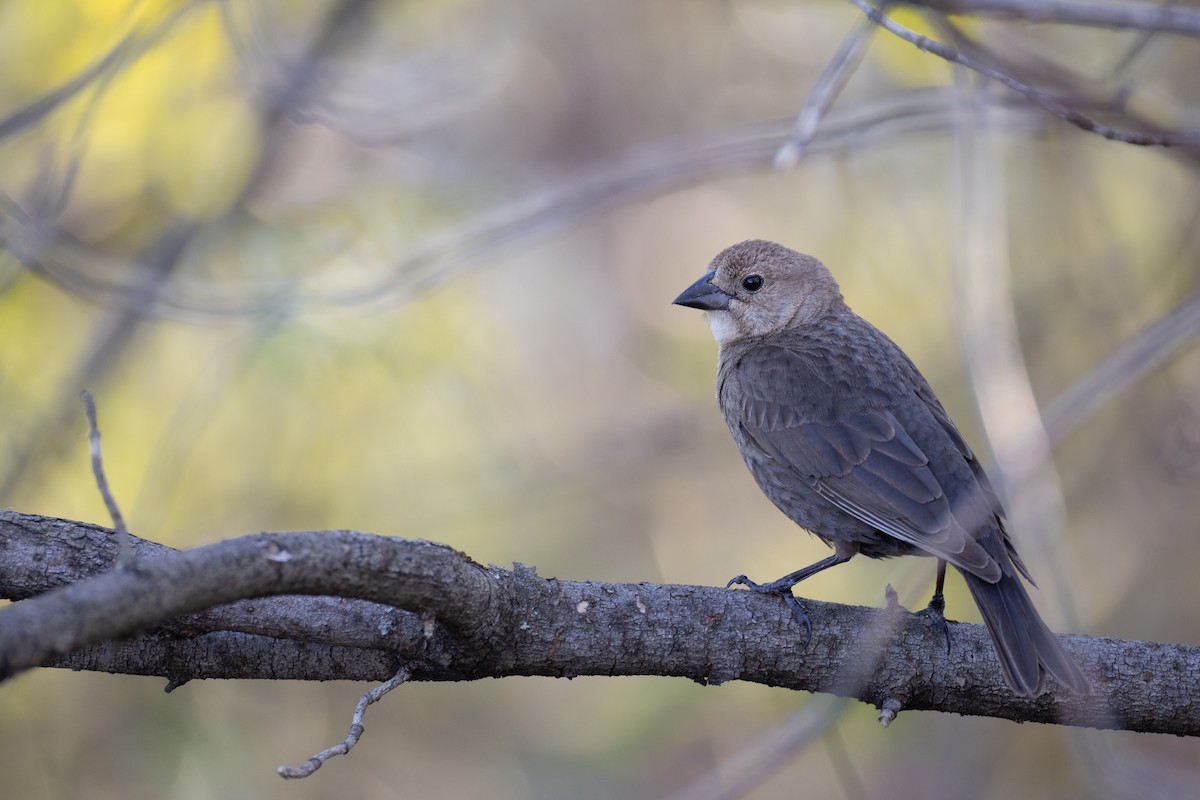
{"points": [[1027, 649]]}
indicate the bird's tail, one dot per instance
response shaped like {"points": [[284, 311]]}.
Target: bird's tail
{"points": [[1026, 648]]}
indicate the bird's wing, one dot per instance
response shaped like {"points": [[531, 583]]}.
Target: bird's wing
{"points": [[860, 457], [990, 500]]}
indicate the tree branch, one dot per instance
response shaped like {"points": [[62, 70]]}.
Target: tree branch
{"points": [[466, 621], [1187, 138], [1153, 17]]}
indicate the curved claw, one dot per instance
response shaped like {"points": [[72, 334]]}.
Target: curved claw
{"points": [[742, 580], [934, 611], [784, 591], [801, 616]]}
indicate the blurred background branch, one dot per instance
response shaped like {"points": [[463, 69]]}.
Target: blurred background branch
{"points": [[1169, 18]]}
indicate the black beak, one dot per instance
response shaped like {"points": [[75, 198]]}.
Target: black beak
{"points": [[703, 295]]}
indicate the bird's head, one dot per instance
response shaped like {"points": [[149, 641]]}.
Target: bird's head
{"points": [[757, 288]]}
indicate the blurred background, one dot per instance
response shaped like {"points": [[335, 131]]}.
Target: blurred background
{"points": [[407, 268]]}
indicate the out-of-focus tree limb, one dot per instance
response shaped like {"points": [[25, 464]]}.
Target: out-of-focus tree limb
{"points": [[642, 172], [1052, 104], [463, 621], [1143, 16], [1132, 360]]}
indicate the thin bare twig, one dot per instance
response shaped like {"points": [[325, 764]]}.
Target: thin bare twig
{"points": [[1084, 94], [1038, 97], [124, 546], [754, 764], [1153, 17], [356, 729], [828, 86], [1135, 357]]}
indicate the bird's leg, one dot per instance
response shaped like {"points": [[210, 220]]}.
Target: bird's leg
{"points": [[842, 552], [937, 603], [786, 583]]}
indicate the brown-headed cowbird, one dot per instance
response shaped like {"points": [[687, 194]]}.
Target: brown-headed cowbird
{"points": [[845, 436]]}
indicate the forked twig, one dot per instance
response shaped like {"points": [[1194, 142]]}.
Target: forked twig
{"points": [[356, 729]]}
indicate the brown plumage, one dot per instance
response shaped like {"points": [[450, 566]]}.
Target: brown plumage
{"points": [[845, 436]]}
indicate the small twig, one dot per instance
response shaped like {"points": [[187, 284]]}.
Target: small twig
{"points": [[891, 708], [1128, 363], [833, 79], [124, 546], [1040, 98], [1152, 17], [356, 729], [753, 765]]}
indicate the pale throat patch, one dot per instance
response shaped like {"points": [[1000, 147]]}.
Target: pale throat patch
{"points": [[723, 328]]}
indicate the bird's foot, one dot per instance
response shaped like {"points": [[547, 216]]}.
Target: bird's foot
{"points": [[799, 614], [934, 611], [782, 590], [742, 580], [781, 586]]}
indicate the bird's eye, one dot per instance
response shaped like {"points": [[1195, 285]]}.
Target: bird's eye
{"points": [[752, 283]]}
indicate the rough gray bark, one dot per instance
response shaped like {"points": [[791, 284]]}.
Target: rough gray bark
{"points": [[230, 610]]}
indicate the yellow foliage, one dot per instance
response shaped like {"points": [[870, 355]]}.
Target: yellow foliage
{"points": [[173, 119]]}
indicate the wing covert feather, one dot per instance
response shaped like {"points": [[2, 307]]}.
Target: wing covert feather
{"points": [[861, 459]]}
